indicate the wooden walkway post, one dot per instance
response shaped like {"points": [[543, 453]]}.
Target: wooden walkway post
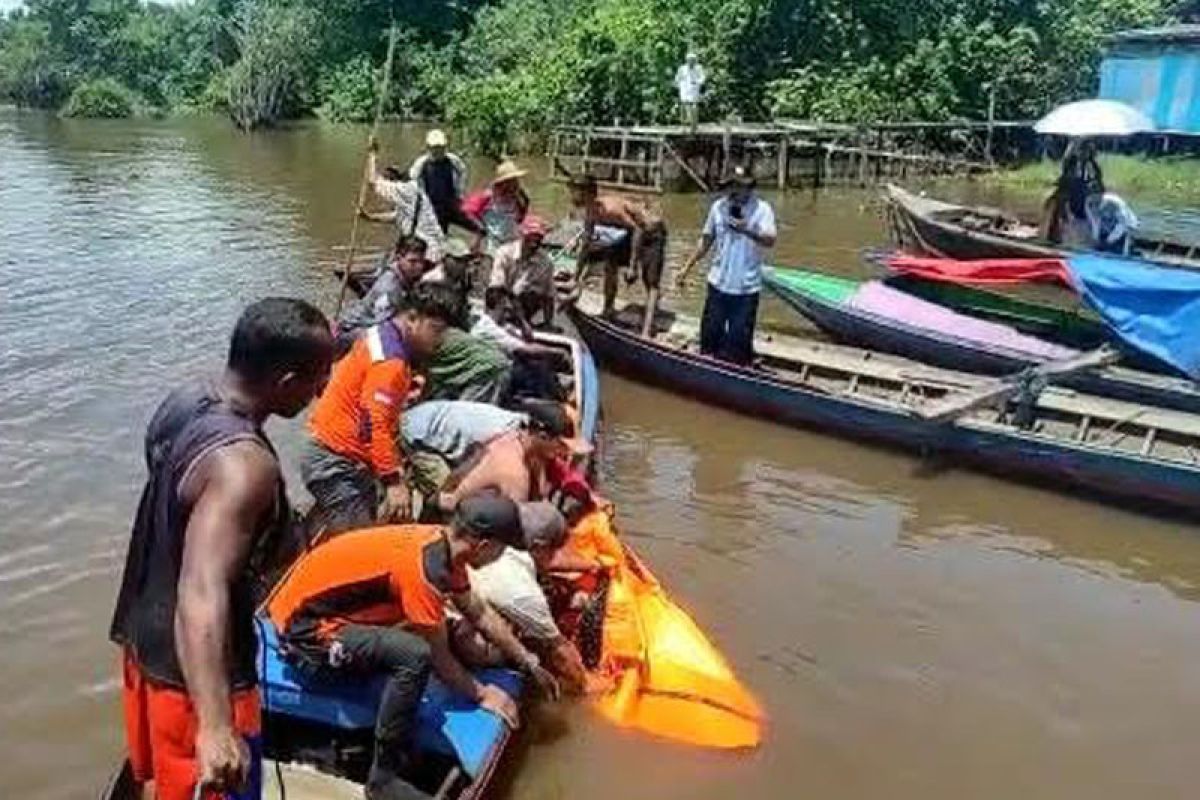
{"points": [[782, 177]]}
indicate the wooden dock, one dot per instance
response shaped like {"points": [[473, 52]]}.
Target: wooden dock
{"points": [[786, 154]]}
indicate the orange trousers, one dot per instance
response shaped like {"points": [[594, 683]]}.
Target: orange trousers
{"points": [[160, 730]]}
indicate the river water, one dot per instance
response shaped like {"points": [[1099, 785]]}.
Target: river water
{"points": [[912, 633]]}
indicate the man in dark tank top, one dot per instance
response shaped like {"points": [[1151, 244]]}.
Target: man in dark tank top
{"points": [[208, 524]]}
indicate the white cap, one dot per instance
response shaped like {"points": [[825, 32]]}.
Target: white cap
{"points": [[436, 138]]}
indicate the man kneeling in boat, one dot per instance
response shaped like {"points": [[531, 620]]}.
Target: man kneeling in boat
{"points": [[510, 584], [374, 601]]}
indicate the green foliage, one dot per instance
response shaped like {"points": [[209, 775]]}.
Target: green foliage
{"points": [[503, 70], [276, 60], [102, 98], [349, 91], [1164, 181]]}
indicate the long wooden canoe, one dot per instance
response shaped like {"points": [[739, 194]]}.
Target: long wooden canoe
{"points": [[925, 225], [1108, 448], [952, 340]]}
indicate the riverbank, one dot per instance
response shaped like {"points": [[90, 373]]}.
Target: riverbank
{"points": [[1164, 182]]}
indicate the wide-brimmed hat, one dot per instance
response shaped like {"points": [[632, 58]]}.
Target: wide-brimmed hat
{"points": [[436, 138], [551, 419], [508, 171]]}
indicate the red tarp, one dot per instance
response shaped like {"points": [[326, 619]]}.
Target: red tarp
{"points": [[988, 271]]}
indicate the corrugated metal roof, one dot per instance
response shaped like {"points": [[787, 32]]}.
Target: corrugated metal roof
{"points": [[1171, 34]]}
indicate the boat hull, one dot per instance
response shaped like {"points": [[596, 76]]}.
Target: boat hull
{"points": [[1148, 483], [864, 329]]}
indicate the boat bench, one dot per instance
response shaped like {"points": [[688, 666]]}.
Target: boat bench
{"points": [[447, 723]]}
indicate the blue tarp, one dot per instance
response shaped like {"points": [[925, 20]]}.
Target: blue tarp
{"points": [[1153, 309]]}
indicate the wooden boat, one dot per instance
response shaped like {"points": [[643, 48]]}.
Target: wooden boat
{"points": [[318, 738], [1059, 438], [877, 316], [1069, 327], [937, 228]]}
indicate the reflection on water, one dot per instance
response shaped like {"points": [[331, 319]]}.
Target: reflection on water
{"points": [[939, 635]]}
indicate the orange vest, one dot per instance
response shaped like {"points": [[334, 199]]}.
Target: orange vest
{"points": [[376, 576], [358, 414]]}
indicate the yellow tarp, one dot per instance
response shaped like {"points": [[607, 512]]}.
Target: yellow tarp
{"points": [[668, 678]]}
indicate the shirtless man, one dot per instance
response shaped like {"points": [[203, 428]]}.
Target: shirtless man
{"points": [[517, 464], [643, 247]]}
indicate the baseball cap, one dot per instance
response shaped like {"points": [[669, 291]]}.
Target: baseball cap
{"points": [[542, 525], [550, 419], [492, 517], [436, 138]]}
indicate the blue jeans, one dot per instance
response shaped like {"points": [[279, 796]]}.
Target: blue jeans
{"points": [[727, 325]]}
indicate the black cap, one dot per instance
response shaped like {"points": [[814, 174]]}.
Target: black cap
{"points": [[492, 517], [549, 418]]}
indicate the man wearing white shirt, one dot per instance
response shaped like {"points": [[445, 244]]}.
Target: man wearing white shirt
{"points": [[689, 79], [742, 226]]}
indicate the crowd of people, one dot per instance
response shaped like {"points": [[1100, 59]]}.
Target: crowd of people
{"points": [[441, 457]]}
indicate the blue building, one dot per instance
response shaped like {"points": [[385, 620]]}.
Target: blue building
{"points": [[1157, 71]]}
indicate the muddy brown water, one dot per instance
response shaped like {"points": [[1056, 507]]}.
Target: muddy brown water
{"points": [[912, 632]]}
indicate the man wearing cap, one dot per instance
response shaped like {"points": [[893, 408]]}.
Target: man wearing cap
{"points": [[525, 269], [521, 465], [742, 225], [510, 585], [442, 175], [412, 210], [500, 208], [689, 80], [374, 601]]}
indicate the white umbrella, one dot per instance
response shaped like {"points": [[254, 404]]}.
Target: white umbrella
{"points": [[1095, 118]]}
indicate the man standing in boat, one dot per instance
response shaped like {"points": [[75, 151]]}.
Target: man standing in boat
{"points": [[208, 526], [642, 248], [412, 211], [352, 465], [742, 226], [442, 175]]}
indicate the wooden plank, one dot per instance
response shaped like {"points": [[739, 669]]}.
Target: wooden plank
{"points": [[1006, 388]]}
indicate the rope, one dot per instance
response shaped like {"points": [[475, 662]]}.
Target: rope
{"points": [[363, 182]]}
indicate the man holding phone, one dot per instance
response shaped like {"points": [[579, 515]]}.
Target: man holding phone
{"points": [[742, 225]]}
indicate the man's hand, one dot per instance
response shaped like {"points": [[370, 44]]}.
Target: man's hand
{"points": [[738, 224], [545, 680], [223, 760], [496, 700], [397, 503]]}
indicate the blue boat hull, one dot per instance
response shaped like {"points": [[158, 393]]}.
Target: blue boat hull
{"points": [[872, 331], [1154, 484]]}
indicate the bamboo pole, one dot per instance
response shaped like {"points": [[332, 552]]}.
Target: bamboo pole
{"points": [[364, 181]]}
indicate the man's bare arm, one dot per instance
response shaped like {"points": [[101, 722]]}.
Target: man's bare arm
{"points": [[235, 486]]}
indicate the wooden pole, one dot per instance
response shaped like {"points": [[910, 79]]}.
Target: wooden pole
{"points": [[364, 181], [783, 162]]}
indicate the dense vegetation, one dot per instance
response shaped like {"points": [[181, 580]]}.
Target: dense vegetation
{"points": [[502, 69]]}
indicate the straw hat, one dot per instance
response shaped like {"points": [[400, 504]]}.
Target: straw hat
{"points": [[508, 171], [436, 138]]}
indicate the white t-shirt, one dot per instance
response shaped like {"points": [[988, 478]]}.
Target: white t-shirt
{"points": [[690, 80], [509, 585], [738, 261]]}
